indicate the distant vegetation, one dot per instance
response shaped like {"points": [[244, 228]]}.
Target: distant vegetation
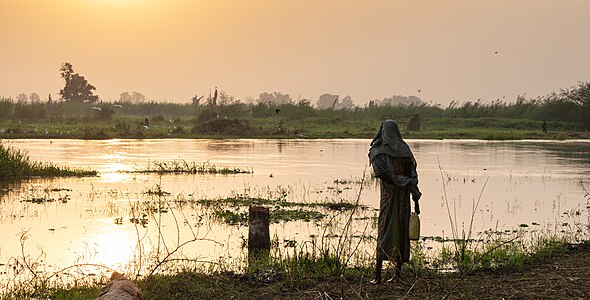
{"points": [[15, 164], [276, 115]]}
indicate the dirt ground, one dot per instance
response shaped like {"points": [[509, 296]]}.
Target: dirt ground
{"points": [[566, 276], [563, 277]]}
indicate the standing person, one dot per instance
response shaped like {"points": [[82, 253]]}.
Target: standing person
{"points": [[544, 126], [394, 163]]}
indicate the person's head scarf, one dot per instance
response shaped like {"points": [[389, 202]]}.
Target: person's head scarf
{"points": [[389, 141]]}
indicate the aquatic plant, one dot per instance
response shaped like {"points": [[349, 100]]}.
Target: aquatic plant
{"points": [[184, 167], [15, 164]]}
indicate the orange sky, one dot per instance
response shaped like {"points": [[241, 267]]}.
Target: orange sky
{"points": [[173, 49]]}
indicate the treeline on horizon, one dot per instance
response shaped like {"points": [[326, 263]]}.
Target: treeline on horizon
{"points": [[570, 106]]}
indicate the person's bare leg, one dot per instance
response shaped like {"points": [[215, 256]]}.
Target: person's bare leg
{"points": [[398, 268], [378, 268], [398, 271]]}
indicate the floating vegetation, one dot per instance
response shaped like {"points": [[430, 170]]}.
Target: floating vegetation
{"points": [[231, 217], [156, 191], [242, 201], [143, 220], [42, 200], [38, 200], [237, 217], [15, 164], [298, 211], [184, 167], [58, 190], [278, 215], [348, 181]]}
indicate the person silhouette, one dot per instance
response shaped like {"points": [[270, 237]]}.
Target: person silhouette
{"points": [[394, 164]]}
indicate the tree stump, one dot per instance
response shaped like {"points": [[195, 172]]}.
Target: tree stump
{"points": [[258, 231]]}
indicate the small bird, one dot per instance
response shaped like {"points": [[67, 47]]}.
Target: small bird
{"points": [[96, 108], [496, 52], [419, 90]]}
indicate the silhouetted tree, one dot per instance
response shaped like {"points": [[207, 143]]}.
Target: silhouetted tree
{"points": [[77, 87]]}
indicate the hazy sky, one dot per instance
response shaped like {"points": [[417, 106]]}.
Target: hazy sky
{"points": [[173, 49]]}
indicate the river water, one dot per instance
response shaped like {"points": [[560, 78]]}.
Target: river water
{"points": [[534, 186]]}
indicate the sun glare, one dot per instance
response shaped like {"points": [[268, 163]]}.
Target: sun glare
{"points": [[114, 247], [122, 2]]}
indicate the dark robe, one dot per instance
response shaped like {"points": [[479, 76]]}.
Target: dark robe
{"points": [[393, 162]]}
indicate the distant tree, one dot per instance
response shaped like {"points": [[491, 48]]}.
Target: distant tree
{"points": [[346, 102], [196, 100], [580, 96], [274, 98], [22, 98], [303, 102], [77, 88], [132, 98], [224, 98], [327, 101], [34, 97], [401, 100]]}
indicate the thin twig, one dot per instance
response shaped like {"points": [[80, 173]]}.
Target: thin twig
{"points": [[474, 263]]}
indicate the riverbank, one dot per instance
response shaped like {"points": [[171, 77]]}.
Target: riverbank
{"points": [[562, 275], [309, 128]]}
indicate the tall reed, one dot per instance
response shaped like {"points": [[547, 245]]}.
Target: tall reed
{"points": [[15, 164]]}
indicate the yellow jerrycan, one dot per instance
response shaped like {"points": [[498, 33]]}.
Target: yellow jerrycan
{"points": [[414, 227]]}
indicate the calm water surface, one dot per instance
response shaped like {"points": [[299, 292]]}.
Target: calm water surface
{"points": [[537, 183]]}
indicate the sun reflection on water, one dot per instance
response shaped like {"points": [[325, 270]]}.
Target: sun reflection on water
{"points": [[115, 247]]}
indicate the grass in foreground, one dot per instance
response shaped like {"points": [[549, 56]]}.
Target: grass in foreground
{"points": [[305, 277], [15, 164]]}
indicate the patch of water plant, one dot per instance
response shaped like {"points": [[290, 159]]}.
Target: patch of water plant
{"points": [[305, 211], [238, 217], [15, 164], [241, 200], [183, 167]]}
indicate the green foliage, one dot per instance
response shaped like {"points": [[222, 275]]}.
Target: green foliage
{"points": [[567, 115], [182, 166], [15, 164]]}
